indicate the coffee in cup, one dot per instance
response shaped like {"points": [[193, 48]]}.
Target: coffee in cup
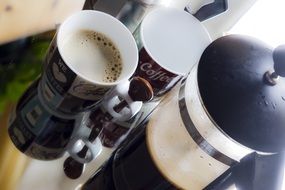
{"points": [[97, 52]]}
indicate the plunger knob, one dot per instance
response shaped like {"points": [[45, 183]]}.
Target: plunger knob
{"points": [[279, 66]]}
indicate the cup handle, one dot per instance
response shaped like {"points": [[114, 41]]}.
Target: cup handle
{"points": [[94, 149], [121, 90]]}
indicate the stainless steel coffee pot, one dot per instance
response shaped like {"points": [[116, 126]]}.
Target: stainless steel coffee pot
{"points": [[227, 110]]}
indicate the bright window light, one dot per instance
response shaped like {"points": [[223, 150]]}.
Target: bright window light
{"points": [[265, 20]]}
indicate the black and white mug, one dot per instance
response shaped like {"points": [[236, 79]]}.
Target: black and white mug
{"points": [[38, 131], [93, 52]]}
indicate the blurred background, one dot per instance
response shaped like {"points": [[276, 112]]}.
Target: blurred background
{"points": [[26, 29]]}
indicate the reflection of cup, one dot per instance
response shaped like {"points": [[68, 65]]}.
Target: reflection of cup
{"points": [[93, 149], [170, 43], [37, 131], [94, 53], [108, 124]]}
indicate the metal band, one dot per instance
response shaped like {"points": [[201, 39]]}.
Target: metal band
{"points": [[194, 133]]}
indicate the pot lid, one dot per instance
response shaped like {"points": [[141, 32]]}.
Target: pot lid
{"points": [[241, 93]]}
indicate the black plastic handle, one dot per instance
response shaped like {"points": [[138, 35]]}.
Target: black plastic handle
{"points": [[212, 9], [279, 60]]}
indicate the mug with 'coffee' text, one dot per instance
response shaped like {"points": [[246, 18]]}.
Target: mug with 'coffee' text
{"points": [[170, 42]]}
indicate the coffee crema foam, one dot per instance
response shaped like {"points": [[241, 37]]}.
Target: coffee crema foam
{"points": [[93, 55]]}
